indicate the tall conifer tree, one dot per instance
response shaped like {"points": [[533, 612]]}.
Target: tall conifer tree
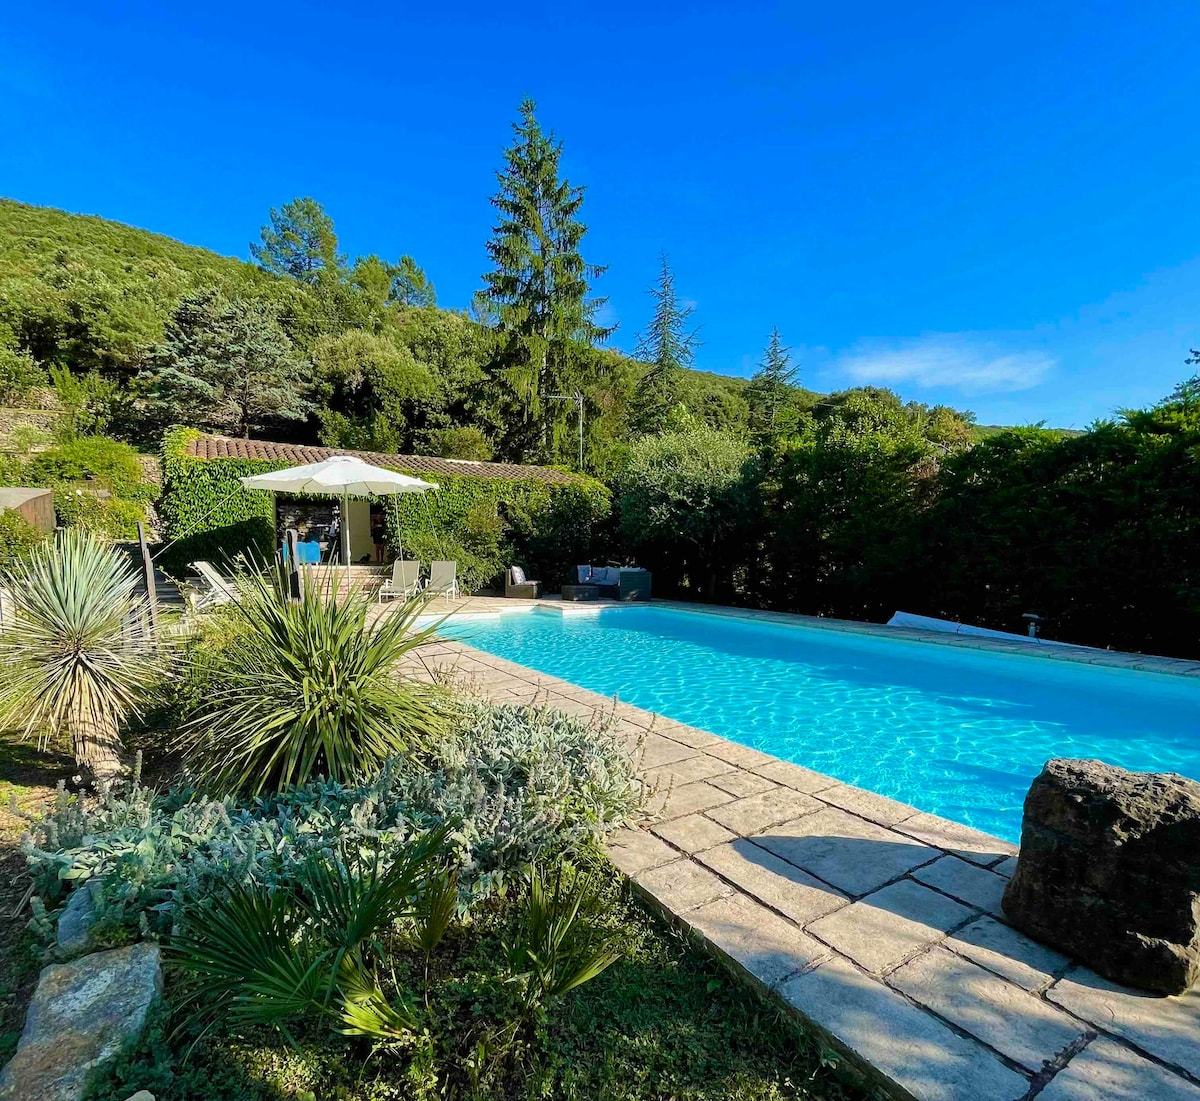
{"points": [[669, 348], [537, 293], [770, 390]]}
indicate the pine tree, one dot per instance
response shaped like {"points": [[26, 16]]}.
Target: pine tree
{"points": [[669, 348], [411, 286], [770, 391], [225, 364], [536, 295], [300, 242]]}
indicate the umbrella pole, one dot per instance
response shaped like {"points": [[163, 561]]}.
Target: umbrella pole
{"points": [[346, 538]]}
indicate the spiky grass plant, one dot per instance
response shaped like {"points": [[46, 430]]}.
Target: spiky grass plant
{"points": [[67, 664], [309, 687]]}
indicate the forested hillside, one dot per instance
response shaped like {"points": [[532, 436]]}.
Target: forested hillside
{"points": [[352, 354]]}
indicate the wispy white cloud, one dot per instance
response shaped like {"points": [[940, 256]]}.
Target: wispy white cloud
{"points": [[950, 361]]}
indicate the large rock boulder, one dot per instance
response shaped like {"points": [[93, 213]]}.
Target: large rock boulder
{"points": [[1109, 872], [81, 1015]]}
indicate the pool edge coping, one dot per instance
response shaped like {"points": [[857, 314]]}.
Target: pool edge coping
{"points": [[656, 879]]}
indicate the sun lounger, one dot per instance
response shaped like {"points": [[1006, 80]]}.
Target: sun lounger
{"points": [[404, 582], [443, 579], [214, 588]]}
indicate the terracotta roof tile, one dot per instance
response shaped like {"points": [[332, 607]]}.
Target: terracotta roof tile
{"points": [[224, 447]]}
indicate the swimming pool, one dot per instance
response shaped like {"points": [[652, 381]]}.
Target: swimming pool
{"points": [[954, 731]]}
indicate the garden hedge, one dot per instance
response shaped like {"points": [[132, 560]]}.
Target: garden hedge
{"points": [[484, 524]]}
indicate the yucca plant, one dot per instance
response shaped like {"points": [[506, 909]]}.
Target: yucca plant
{"points": [[67, 666], [309, 687]]}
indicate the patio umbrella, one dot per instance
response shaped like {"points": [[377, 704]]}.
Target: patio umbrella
{"points": [[345, 476]]}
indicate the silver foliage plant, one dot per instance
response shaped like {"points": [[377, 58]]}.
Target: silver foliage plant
{"points": [[515, 785]]}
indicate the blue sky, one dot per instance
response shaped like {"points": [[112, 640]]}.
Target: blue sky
{"points": [[994, 206]]}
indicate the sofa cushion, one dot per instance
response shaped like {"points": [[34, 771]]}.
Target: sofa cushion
{"points": [[518, 575]]}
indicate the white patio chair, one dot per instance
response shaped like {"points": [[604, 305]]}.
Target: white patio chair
{"points": [[443, 579], [214, 588], [404, 582]]}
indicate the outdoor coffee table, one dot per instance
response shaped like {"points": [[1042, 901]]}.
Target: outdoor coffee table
{"points": [[581, 592]]}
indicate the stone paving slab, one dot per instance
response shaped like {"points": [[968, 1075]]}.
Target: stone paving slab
{"points": [[910, 1047], [1012, 955], [635, 851], [1106, 1071], [855, 855], [975, 1008], [767, 808], [868, 805], [793, 776], [693, 833], [778, 884], [1020, 1026], [967, 882], [1166, 1028], [767, 946], [701, 795], [691, 769], [979, 848], [681, 886], [885, 928], [740, 783]]}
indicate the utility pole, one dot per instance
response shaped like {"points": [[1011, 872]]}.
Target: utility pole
{"points": [[577, 398]]}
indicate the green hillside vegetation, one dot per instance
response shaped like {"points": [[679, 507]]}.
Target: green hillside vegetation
{"points": [[755, 491], [355, 353]]}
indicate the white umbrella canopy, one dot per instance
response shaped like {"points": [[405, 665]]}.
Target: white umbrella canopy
{"points": [[344, 475]]}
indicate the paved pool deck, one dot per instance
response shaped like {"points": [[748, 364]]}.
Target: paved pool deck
{"points": [[877, 923]]}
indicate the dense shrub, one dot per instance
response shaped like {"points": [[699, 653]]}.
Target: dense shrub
{"points": [[516, 784], [17, 535], [99, 484], [684, 508]]}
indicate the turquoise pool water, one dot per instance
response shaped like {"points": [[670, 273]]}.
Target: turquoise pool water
{"points": [[957, 732]]}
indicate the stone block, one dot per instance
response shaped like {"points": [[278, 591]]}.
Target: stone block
{"points": [[78, 916], [1109, 873], [81, 1016]]}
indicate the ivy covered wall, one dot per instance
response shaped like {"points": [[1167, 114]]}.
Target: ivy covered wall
{"points": [[483, 524]]}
